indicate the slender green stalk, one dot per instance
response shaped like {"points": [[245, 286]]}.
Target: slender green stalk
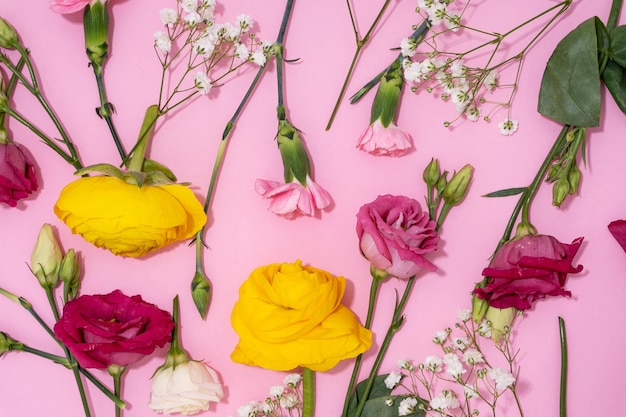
{"points": [[116, 372], [54, 358], [616, 8], [106, 109], [563, 387], [360, 43], [308, 392]]}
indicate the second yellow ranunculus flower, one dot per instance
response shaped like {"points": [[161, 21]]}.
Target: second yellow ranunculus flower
{"points": [[127, 219], [289, 315]]}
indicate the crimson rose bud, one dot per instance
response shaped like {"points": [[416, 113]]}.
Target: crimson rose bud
{"points": [[395, 234], [112, 329], [17, 173], [527, 269]]}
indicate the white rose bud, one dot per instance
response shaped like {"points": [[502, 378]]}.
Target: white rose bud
{"points": [[45, 260]]}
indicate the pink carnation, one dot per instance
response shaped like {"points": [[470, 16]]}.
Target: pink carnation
{"points": [[291, 199], [388, 141]]}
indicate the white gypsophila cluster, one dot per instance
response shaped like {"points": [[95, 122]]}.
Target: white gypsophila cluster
{"points": [[193, 37], [456, 381], [283, 400], [446, 73]]}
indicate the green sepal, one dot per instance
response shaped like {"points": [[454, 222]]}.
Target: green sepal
{"points": [[151, 166], [387, 99], [570, 87], [96, 27], [104, 169], [296, 161]]}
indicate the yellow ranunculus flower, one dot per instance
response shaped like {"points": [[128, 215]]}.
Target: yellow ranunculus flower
{"points": [[127, 219], [289, 315]]}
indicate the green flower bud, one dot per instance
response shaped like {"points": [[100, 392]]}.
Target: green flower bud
{"points": [[293, 153], [201, 293], [432, 173], [385, 105], [442, 182], [500, 321], [573, 178], [8, 344], [479, 308], [8, 35], [96, 26], [560, 190], [46, 258], [457, 187], [69, 273]]}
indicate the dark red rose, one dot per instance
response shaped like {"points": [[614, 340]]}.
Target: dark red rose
{"points": [[17, 173], [618, 230], [112, 329], [527, 269]]}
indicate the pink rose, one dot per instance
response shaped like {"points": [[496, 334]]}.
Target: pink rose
{"points": [[17, 173], [395, 234], [112, 329], [527, 269], [618, 230], [70, 6], [291, 199], [380, 140]]}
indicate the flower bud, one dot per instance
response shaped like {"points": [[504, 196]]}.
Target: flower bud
{"points": [[500, 320], [8, 36], [560, 190], [573, 178], [295, 158], [457, 187], [432, 173], [46, 258], [479, 308], [69, 273], [385, 105], [8, 344], [201, 293], [96, 26]]}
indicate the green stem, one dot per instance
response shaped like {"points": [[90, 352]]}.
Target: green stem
{"points": [[616, 7], [374, 290], [54, 358], [106, 109], [396, 323], [360, 43], [279, 53], [308, 392], [563, 387], [116, 372]]}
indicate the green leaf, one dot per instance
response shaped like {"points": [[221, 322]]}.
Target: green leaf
{"points": [[379, 390], [570, 88], [617, 45], [379, 407], [614, 78], [506, 192]]}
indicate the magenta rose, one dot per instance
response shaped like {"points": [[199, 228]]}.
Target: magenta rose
{"points": [[527, 269], [112, 329], [395, 234], [17, 173]]}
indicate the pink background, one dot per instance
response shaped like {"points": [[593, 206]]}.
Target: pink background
{"points": [[244, 235]]}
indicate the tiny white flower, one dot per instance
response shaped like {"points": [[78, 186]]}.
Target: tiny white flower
{"points": [[289, 400], [440, 337], [508, 127], [389, 402], [472, 113], [460, 343], [393, 379], [452, 21], [203, 82], [464, 314], [426, 4], [258, 58], [230, 31], [454, 367], [491, 80], [413, 71], [244, 21], [446, 400], [204, 45], [502, 378], [248, 410], [168, 17], [433, 363], [242, 52], [459, 96], [484, 328], [292, 380], [472, 357], [276, 391], [192, 19], [189, 5], [162, 42], [437, 13], [470, 392], [408, 46], [405, 364], [407, 406]]}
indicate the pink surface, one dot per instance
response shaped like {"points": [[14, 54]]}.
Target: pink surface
{"points": [[243, 234]]}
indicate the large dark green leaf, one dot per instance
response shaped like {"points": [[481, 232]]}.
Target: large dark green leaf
{"points": [[617, 48], [379, 407], [379, 389], [570, 88], [614, 77]]}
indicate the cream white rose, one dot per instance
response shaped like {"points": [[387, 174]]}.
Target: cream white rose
{"points": [[186, 388]]}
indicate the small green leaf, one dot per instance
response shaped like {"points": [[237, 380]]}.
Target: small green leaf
{"points": [[570, 88], [506, 192], [615, 80], [617, 48]]}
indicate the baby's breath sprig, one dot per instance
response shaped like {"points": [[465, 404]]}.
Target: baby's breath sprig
{"points": [[283, 400]]}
